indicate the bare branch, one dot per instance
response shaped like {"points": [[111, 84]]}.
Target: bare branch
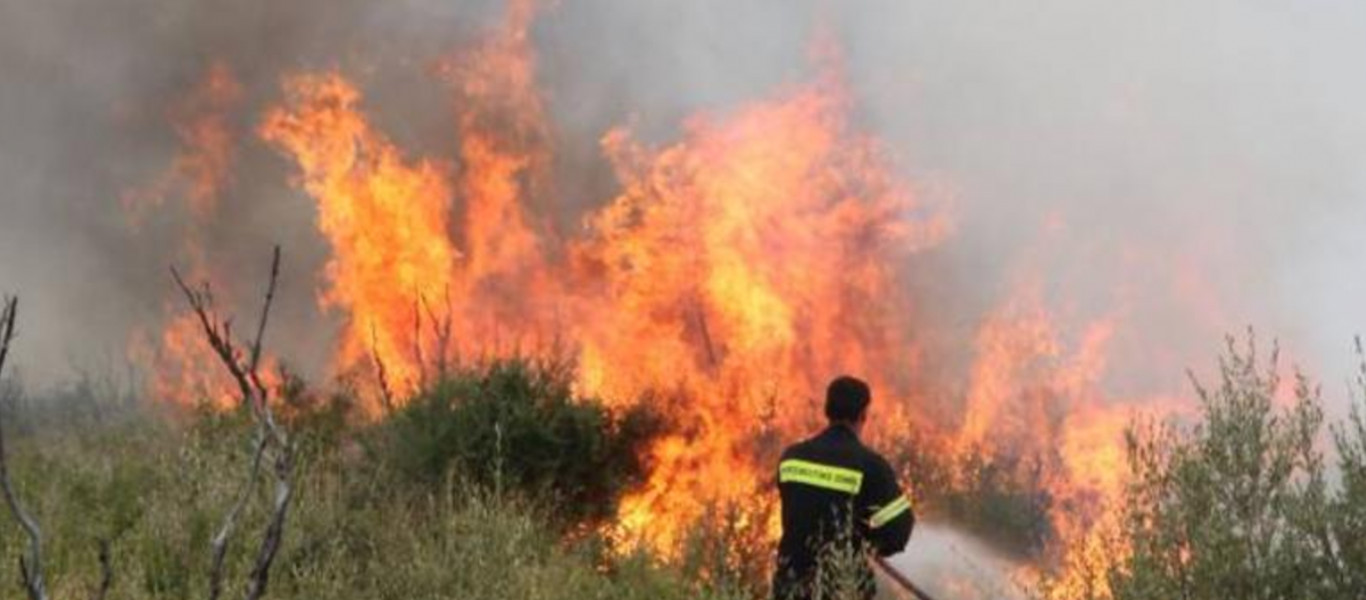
{"points": [[225, 531], [8, 314], [256, 395], [30, 566], [270, 545], [265, 311], [219, 334]]}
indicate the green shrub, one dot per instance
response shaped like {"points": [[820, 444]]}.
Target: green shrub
{"points": [[1347, 510], [515, 425], [1239, 505]]}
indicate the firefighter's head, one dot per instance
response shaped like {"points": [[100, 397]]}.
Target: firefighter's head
{"points": [[846, 402]]}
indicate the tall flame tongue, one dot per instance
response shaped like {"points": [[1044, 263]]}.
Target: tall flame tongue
{"points": [[199, 173], [504, 151], [387, 220], [745, 265]]}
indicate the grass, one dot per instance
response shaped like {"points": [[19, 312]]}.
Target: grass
{"points": [[157, 487], [490, 484]]}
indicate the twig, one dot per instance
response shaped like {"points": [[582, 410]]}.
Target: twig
{"points": [[386, 394], [30, 566], [706, 334], [265, 311], [417, 343], [442, 328]]}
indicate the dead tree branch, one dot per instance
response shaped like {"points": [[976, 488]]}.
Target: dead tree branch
{"points": [[270, 544], [30, 566], [8, 314], [219, 544], [270, 437]]}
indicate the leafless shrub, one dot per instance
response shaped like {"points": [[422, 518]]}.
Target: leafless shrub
{"points": [[272, 442]]}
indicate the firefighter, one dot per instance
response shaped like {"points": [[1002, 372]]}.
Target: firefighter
{"points": [[839, 500]]}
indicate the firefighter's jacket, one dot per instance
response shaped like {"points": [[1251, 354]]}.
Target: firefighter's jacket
{"points": [[835, 489]]}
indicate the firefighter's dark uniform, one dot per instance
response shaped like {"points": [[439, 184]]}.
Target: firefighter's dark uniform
{"points": [[835, 488]]}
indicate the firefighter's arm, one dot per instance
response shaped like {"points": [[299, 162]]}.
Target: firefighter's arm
{"points": [[891, 518]]}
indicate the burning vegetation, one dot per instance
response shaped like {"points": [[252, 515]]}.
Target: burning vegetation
{"points": [[733, 271], [642, 359]]}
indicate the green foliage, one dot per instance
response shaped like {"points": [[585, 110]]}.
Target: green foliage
{"points": [[516, 425], [842, 574], [1346, 512], [1239, 506]]}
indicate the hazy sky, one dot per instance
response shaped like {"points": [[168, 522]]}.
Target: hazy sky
{"points": [[1155, 158]]}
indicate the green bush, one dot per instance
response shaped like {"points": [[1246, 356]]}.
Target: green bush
{"points": [[157, 489], [1347, 510], [515, 425], [1239, 505]]}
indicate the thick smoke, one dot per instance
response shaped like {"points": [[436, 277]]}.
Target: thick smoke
{"points": [[1189, 168]]}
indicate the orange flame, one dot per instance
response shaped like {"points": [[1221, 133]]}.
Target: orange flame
{"points": [[387, 220], [752, 259], [198, 174], [735, 271], [181, 367]]}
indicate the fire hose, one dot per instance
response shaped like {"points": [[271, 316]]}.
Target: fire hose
{"points": [[900, 580]]}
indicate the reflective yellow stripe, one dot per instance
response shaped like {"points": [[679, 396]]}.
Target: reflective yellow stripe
{"points": [[893, 510], [839, 479]]}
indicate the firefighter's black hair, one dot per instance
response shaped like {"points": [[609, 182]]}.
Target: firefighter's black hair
{"points": [[846, 399]]}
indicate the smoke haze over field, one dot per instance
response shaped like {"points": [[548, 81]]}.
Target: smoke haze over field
{"points": [[1192, 167]]}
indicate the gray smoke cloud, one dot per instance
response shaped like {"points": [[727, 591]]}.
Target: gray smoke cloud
{"points": [[1190, 167]]}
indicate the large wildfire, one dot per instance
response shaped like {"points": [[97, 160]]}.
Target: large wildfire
{"points": [[733, 271]]}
